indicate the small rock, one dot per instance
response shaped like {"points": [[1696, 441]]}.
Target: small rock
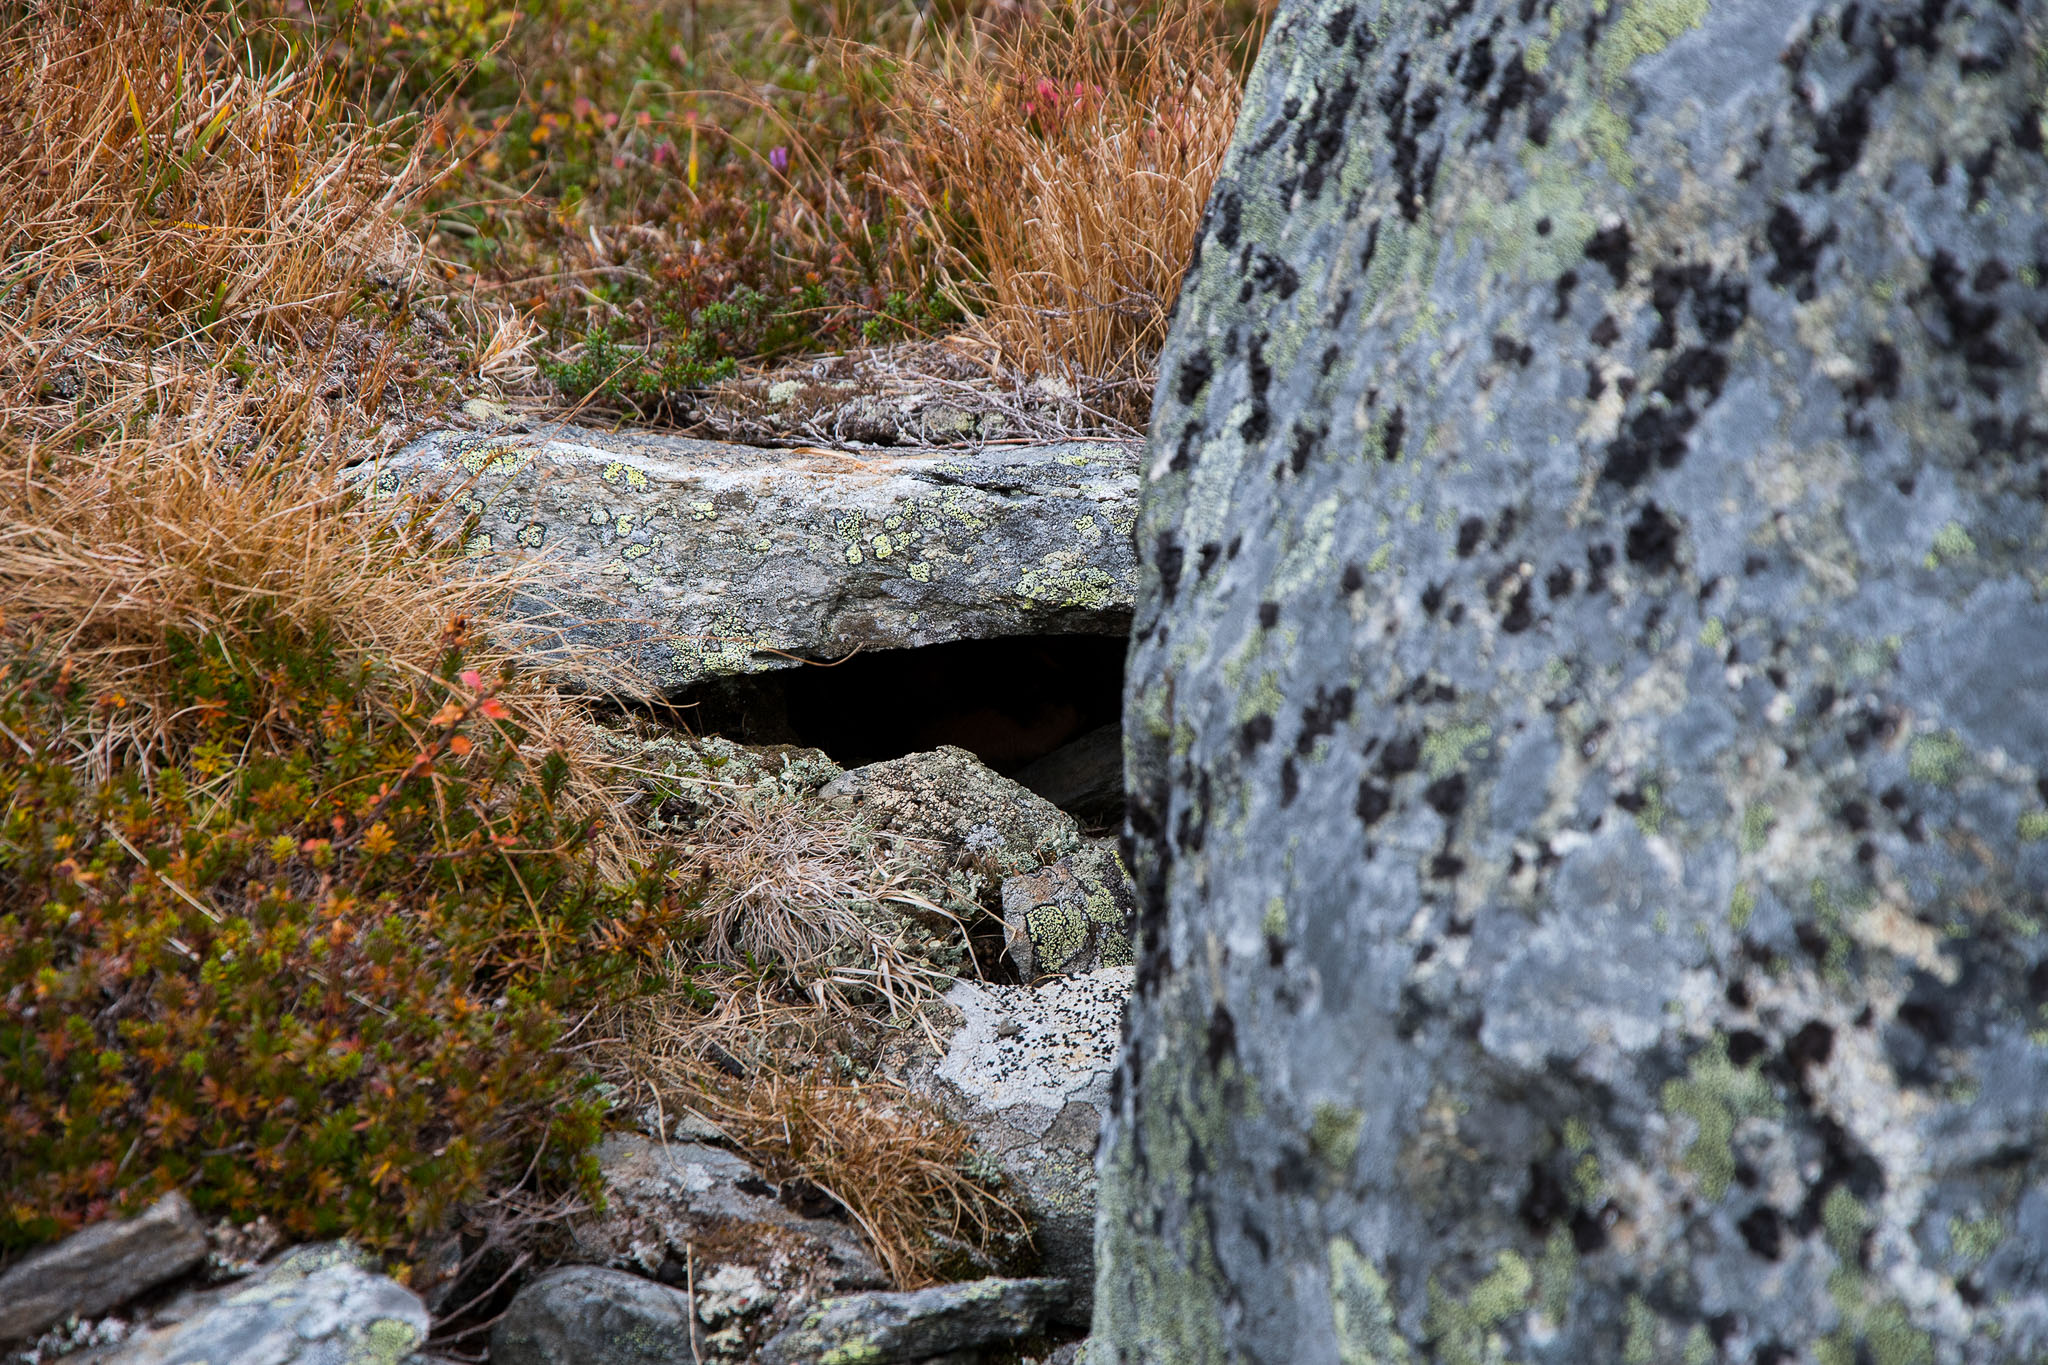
{"points": [[586, 1315], [1071, 917], [951, 798], [100, 1267], [732, 1291], [1028, 1072], [672, 1207], [316, 1305], [878, 1329]]}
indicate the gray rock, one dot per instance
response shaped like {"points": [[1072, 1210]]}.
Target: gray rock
{"points": [[1072, 916], [1084, 778], [881, 1329], [315, 1305], [584, 1315], [696, 560], [971, 815], [1589, 700], [671, 1205], [1028, 1072], [100, 1267]]}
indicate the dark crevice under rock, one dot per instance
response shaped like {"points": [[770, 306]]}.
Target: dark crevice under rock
{"points": [[1031, 707]]}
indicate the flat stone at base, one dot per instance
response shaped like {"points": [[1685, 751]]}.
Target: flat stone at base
{"points": [[587, 1315], [884, 1328], [100, 1267], [316, 1305]]}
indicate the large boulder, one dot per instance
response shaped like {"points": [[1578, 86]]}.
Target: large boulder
{"points": [[1589, 701], [695, 560], [586, 1315]]}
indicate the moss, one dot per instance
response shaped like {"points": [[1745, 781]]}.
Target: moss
{"points": [[1361, 1311], [1714, 1094]]}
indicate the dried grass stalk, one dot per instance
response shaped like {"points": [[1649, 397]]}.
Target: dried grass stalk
{"points": [[1062, 163]]}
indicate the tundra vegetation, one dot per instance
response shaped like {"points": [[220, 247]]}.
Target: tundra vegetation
{"points": [[315, 902]]}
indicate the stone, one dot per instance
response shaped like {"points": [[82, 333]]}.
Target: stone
{"points": [[1084, 778], [1071, 916], [917, 1325], [100, 1267], [1589, 700], [315, 1305], [585, 1315], [671, 1208], [1027, 1071], [688, 560], [970, 814]]}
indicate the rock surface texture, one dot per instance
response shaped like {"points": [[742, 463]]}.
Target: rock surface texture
{"points": [[315, 1305], [698, 560], [1028, 1072], [584, 1315], [100, 1267], [1589, 703], [922, 1324], [1071, 916]]}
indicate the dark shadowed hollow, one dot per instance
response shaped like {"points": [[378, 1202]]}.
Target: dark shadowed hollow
{"points": [[1039, 708]]}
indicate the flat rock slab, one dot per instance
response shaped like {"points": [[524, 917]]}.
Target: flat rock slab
{"points": [[880, 1329], [697, 560], [100, 1267], [315, 1305]]}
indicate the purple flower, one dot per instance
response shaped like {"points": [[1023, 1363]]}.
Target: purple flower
{"points": [[778, 157]]}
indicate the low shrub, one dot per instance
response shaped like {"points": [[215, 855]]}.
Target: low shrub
{"points": [[318, 964]]}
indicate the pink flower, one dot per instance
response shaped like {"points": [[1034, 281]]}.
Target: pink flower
{"points": [[471, 679], [778, 157]]}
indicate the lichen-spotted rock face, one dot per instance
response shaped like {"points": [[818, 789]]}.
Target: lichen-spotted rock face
{"points": [[1589, 702], [684, 560]]}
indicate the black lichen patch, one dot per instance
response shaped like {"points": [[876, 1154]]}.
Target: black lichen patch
{"points": [[1446, 795], [1518, 617], [1471, 531], [1612, 247], [1193, 376], [1322, 716], [1408, 121], [1652, 540], [1167, 554], [1796, 251], [1374, 801]]}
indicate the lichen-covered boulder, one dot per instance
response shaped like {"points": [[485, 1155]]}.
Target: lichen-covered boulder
{"points": [[586, 1315], [966, 814], [1589, 703], [1071, 916], [688, 560], [100, 1267]]}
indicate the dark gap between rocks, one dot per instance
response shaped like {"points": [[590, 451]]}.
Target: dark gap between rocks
{"points": [[1043, 709]]}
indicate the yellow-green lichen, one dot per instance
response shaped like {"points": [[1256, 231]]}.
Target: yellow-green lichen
{"points": [[1056, 585], [1936, 759], [1333, 1134], [1741, 906], [1715, 1094], [1361, 1311], [1639, 1343], [1444, 750], [1464, 1331], [1951, 543], [2033, 826], [618, 471], [1646, 27], [1974, 1239], [1756, 826]]}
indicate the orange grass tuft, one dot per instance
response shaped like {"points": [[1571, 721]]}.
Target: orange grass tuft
{"points": [[1063, 162]]}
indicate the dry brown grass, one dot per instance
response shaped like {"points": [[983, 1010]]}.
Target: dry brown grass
{"points": [[902, 1170], [181, 243], [1063, 162]]}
